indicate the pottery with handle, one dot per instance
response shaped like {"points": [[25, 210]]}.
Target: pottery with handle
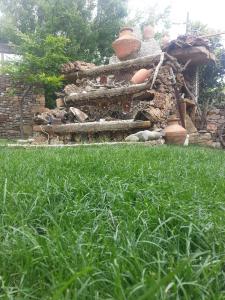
{"points": [[175, 133]]}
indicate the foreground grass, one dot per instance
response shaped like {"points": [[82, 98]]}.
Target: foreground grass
{"points": [[4, 142], [127, 222]]}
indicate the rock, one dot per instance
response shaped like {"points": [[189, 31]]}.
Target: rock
{"points": [[30, 140], [155, 142], [56, 141], [22, 142], [40, 139], [132, 138], [78, 114], [212, 127], [216, 145], [147, 135], [214, 116], [201, 139], [214, 111], [142, 136]]}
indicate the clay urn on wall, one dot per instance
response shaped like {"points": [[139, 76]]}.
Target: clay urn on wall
{"points": [[140, 76], [175, 133], [127, 44], [148, 32]]}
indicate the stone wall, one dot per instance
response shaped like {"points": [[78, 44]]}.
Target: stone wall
{"points": [[215, 119], [208, 133], [10, 111]]}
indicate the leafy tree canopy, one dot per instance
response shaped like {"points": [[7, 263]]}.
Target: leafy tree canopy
{"points": [[39, 63], [49, 33], [40, 59], [154, 16], [90, 25]]}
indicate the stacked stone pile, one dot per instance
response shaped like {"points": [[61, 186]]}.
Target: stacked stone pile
{"points": [[10, 109], [215, 119]]}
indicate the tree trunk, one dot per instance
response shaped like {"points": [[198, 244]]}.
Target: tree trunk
{"points": [[129, 65], [106, 94], [91, 127]]}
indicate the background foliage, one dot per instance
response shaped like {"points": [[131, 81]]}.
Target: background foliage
{"points": [[212, 83], [154, 16], [39, 63], [90, 25], [49, 33]]}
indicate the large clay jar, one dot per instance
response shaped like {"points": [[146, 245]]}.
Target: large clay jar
{"points": [[175, 133], [140, 76], [148, 32], [127, 44]]}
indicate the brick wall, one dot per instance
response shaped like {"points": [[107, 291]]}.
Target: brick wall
{"points": [[10, 97]]}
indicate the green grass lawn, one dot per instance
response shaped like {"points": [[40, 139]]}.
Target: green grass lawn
{"points": [[4, 142], [122, 222]]}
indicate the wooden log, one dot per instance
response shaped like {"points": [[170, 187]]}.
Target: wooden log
{"points": [[103, 94], [90, 127], [133, 64]]}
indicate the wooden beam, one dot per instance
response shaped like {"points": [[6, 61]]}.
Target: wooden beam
{"points": [[111, 94], [91, 127], [133, 64]]}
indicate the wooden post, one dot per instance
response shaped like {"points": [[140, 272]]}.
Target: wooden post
{"points": [[102, 95]]}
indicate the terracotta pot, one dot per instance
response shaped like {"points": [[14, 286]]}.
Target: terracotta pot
{"points": [[175, 133], [127, 44], [140, 76], [148, 32]]}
